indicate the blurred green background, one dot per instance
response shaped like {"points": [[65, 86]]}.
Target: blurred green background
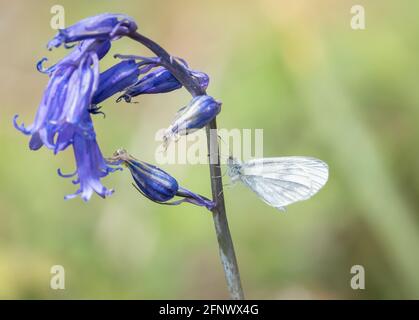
{"points": [[293, 68]]}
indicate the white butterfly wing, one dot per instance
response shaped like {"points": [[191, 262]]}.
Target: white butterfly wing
{"points": [[285, 180]]}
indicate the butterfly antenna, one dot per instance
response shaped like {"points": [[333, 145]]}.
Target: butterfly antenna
{"points": [[225, 172], [226, 145]]}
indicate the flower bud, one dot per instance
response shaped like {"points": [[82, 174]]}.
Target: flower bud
{"points": [[156, 184], [160, 80], [117, 78], [196, 115]]}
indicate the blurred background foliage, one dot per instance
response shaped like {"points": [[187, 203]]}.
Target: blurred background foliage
{"points": [[293, 68]]}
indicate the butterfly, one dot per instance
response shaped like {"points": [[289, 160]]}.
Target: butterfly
{"points": [[280, 181]]}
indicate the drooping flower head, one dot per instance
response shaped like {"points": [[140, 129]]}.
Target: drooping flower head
{"points": [[105, 26], [63, 117], [76, 86], [67, 97], [196, 115], [156, 184]]}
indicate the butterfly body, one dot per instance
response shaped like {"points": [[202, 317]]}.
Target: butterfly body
{"points": [[234, 169], [280, 181]]}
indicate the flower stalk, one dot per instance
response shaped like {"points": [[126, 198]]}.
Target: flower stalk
{"points": [[225, 242]]}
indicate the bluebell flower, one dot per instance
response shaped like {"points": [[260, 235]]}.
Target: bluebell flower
{"points": [[160, 80], [63, 117], [116, 79], [196, 115], [91, 166], [156, 184], [106, 26], [73, 81]]}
